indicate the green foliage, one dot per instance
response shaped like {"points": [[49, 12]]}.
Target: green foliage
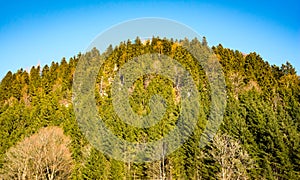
{"points": [[262, 113]]}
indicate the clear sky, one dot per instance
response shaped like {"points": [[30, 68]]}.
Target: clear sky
{"points": [[33, 32]]}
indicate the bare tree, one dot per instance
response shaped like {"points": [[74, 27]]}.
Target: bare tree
{"points": [[44, 155], [233, 159], [237, 81]]}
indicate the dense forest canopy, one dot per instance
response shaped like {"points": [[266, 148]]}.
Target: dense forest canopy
{"points": [[258, 138]]}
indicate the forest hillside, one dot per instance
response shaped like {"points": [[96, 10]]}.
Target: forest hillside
{"points": [[258, 138]]}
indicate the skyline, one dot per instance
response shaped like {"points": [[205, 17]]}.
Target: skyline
{"points": [[35, 32]]}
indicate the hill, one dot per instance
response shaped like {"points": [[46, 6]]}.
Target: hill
{"points": [[259, 136]]}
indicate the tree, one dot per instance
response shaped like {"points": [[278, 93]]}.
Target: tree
{"points": [[204, 42], [233, 160], [288, 68], [96, 166], [44, 155], [5, 86]]}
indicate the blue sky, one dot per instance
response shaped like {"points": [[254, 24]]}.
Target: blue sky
{"points": [[39, 32]]}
